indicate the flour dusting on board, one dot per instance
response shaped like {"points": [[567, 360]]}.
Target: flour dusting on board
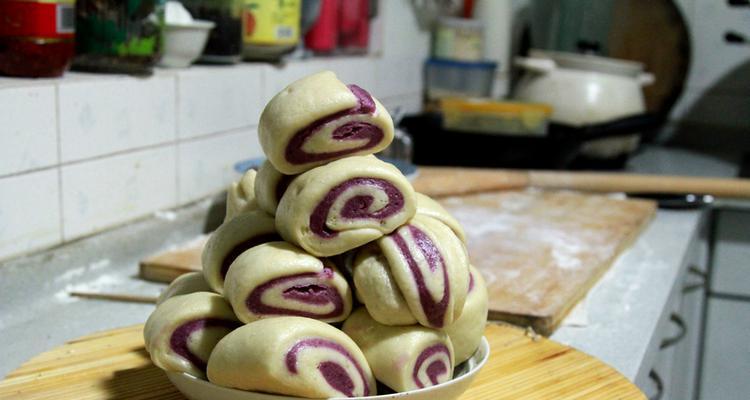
{"points": [[538, 250]]}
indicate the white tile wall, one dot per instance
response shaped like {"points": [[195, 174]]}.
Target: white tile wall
{"points": [[206, 164], [113, 114], [28, 129], [29, 211], [211, 101], [87, 152], [101, 193]]}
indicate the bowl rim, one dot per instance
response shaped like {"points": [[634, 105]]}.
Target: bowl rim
{"points": [[483, 345]]}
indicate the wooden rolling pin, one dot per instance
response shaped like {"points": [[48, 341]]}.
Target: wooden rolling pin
{"points": [[447, 181]]}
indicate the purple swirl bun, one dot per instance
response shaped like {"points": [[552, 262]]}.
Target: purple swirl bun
{"points": [[183, 330], [279, 279], [318, 119], [431, 268], [231, 239], [293, 356], [342, 205], [402, 357]]}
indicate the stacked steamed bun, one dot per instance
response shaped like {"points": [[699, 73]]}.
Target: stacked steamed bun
{"points": [[324, 233]]}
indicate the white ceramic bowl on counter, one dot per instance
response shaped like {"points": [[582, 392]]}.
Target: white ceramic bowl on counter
{"points": [[184, 43], [199, 389]]}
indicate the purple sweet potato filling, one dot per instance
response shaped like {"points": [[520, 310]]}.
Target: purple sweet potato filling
{"points": [[354, 130], [179, 339], [357, 206], [245, 245], [434, 311], [320, 293], [435, 369], [471, 281], [332, 372]]}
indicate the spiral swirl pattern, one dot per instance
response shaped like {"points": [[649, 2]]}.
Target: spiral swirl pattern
{"points": [[318, 119], [433, 366], [279, 279], [334, 363], [342, 205]]}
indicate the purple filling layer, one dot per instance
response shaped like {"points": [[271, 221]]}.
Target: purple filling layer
{"points": [[471, 281], [355, 130], [356, 207], [179, 339], [435, 369], [316, 294], [242, 246], [332, 372], [434, 311]]}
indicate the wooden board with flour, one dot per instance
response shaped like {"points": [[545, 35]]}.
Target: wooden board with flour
{"points": [[541, 251]]}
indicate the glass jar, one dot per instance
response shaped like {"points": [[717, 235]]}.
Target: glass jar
{"points": [[37, 38], [118, 36], [224, 44], [270, 28]]}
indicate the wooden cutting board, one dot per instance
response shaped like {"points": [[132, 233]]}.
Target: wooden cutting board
{"points": [[168, 265], [541, 251], [114, 365]]}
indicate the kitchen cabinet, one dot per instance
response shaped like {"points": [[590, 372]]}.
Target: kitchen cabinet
{"points": [[731, 268], [726, 360]]}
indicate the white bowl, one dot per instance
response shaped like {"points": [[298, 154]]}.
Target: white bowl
{"points": [[184, 43], [199, 389]]}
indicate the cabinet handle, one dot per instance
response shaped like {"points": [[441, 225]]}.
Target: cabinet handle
{"points": [[733, 37], [677, 320], [658, 383], [694, 270], [738, 3]]}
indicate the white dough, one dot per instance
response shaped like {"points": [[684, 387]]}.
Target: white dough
{"points": [[308, 100], [185, 284], [307, 191], [426, 252], [241, 196], [291, 355], [431, 208], [466, 333], [283, 263], [177, 311], [402, 357], [253, 227], [377, 290]]}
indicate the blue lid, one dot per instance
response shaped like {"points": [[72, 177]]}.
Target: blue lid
{"points": [[441, 62]]}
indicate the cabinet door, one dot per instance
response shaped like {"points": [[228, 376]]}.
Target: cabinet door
{"points": [[726, 362], [731, 261]]}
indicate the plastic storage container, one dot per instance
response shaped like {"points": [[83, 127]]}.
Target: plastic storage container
{"points": [[224, 44], [459, 39], [495, 117], [459, 78], [37, 38]]}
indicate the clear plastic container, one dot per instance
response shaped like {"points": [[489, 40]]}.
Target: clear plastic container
{"points": [[495, 117], [459, 78], [459, 39]]}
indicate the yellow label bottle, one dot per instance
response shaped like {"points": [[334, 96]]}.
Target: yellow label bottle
{"points": [[271, 22]]}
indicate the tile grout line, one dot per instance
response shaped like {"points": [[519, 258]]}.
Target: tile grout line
{"points": [[177, 195], [131, 150], [58, 165]]}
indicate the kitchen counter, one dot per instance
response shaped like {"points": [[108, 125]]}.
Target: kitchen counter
{"points": [[624, 309]]}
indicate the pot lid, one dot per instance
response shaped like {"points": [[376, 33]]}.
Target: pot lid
{"points": [[589, 62]]}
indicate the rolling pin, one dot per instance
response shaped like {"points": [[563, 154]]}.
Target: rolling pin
{"points": [[447, 181]]}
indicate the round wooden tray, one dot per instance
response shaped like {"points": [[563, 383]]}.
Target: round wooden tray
{"points": [[114, 365]]}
